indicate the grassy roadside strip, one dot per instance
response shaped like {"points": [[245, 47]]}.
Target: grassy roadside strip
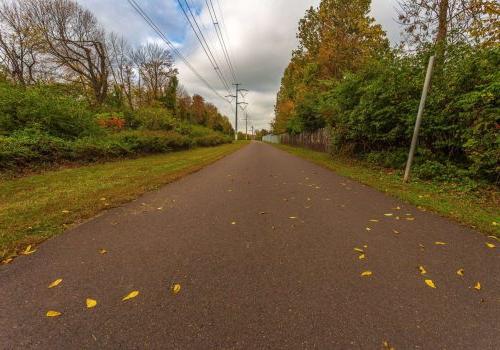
{"points": [[37, 207], [480, 211]]}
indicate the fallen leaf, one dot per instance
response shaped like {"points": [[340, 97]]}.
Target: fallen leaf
{"points": [[490, 245], [103, 251], [440, 243], [233, 223], [430, 283], [368, 229], [460, 272], [7, 261], [365, 246], [90, 303], [477, 286], [373, 220], [366, 273], [160, 208], [421, 245], [494, 237], [361, 257], [388, 214], [410, 219], [103, 199], [397, 208], [65, 211], [131, 295], [52, 313], [292, 217], [359, 250], [28, 250], [55, 283], [422, 270], [387, 346], [176, 288], [396, 232]]}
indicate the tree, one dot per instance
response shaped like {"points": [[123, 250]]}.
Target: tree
{"points": [[450, 21], [74, 40], [156, 68], [337, 37], [18, 51], [121, 64], [170, 97]]}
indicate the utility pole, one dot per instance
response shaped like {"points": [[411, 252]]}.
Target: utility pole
{"points": [[419, 118], [236, 96], [246, 126], [253, 138]]}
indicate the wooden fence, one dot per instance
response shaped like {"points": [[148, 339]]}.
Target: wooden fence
{"points": [[318, 140]]}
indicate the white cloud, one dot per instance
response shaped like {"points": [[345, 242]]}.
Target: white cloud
{"points": [[261, 37]]}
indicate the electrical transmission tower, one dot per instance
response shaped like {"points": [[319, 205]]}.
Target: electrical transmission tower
{"points": [[236, 96]]}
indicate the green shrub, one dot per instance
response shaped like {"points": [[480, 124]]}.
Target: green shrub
{"points": [[372, 113], [155, 118], [47, 108]]}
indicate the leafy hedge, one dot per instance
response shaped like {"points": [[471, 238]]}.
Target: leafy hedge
{"points": [[33, 148], [372, 113]]}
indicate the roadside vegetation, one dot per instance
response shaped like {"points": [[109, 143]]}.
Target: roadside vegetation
{"points": [[37, 207], [345, 76], [72, 94], [478, 209]]}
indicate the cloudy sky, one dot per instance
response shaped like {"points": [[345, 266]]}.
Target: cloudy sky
{"points": [[260, 35]]}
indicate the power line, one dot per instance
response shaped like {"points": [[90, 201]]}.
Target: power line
{"points": [[204, 44], [220, 36], [157, 30]]}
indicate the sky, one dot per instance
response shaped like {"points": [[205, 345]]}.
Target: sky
{"points": [[260, 36]]}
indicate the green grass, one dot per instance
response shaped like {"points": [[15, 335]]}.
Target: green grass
{"points": [[37, 207], [479, 209]]}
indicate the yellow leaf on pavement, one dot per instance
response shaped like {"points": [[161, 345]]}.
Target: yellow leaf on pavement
{"points": [[388, 214], [460, 272], [358, 250], [368, 229], [131, 295], [28, 250], [90, 303], [440, 243], [422, 270], [233, 223], [292, 217], [366, 273], [373, 220], [52, 313], [490, 245], [361, 257], [430, 283], [477, 286], [176, 288], [103, 251], [55, 283], [396, 232], [7, 261]]}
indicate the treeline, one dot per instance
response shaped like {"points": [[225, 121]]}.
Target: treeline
{"points": [[346, 77], [70, 91]]}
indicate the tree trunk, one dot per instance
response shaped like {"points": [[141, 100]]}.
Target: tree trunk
{"points": [[442, 34]]}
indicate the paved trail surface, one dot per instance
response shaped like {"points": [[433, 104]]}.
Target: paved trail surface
{"points": [[262, 244]]}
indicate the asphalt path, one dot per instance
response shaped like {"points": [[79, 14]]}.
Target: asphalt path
{"points": [[262, 245]]}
